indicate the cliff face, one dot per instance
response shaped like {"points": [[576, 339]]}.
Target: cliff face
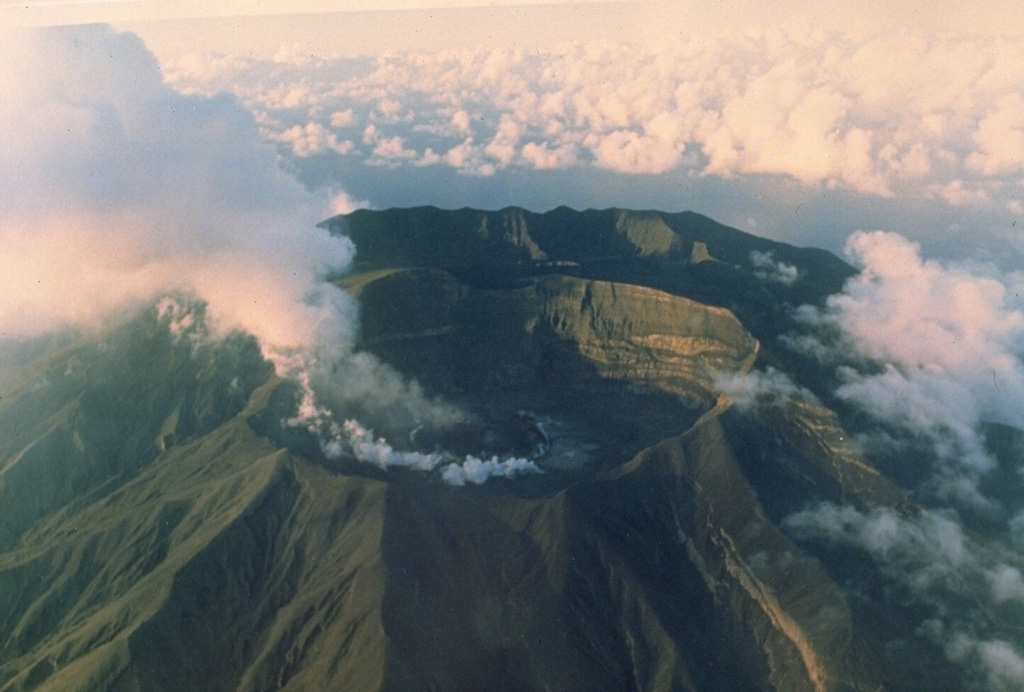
{"points": [[164, 529], [616, 360]]}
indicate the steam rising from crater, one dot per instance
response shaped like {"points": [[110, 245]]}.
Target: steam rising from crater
{"points": [[351, 438], [119, 190]]}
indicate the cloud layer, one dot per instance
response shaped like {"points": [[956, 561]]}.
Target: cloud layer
{"points": [[899, 115]]}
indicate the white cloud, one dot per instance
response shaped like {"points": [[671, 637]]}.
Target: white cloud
{"points": [[429, 158], [460, 121], [926, 551], [761, 388], [390, 149], [207, 73], [291, 96], [342, 119], [1007, 584], [119, 188], [1003, 665], [503, 146], [1000, 138], [768, 268], [343, 203], [947, 321], [293, 54], [631, 152], [313, 138], [459, 156], [389, 109], [542, 157], [934, 117], [948, 338], [468, 158]]}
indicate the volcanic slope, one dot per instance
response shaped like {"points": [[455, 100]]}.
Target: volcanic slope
{"points": [[165, 528]]}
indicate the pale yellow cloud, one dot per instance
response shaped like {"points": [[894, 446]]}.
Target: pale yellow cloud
{"points": [[313, 138], [907, 115], [542, 157], [1000, 138], [900, 113]]}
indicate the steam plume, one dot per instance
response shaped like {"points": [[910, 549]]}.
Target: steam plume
{"points": [[119, 190]]}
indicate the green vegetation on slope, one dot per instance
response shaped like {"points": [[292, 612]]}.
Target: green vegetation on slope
{"points": [[163, 528]]}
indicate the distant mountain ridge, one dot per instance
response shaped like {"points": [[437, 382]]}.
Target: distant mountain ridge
{"points": [[682, 253], [438, 237]]}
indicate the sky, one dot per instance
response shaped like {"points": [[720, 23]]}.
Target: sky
{"points": [[798, 121]]}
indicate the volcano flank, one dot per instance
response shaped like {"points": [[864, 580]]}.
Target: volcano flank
{"points": [[167, 525]]}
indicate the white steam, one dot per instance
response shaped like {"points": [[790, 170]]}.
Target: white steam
{"points": [[350, 438], [119, 190], [761, 388], [770, 269]]}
